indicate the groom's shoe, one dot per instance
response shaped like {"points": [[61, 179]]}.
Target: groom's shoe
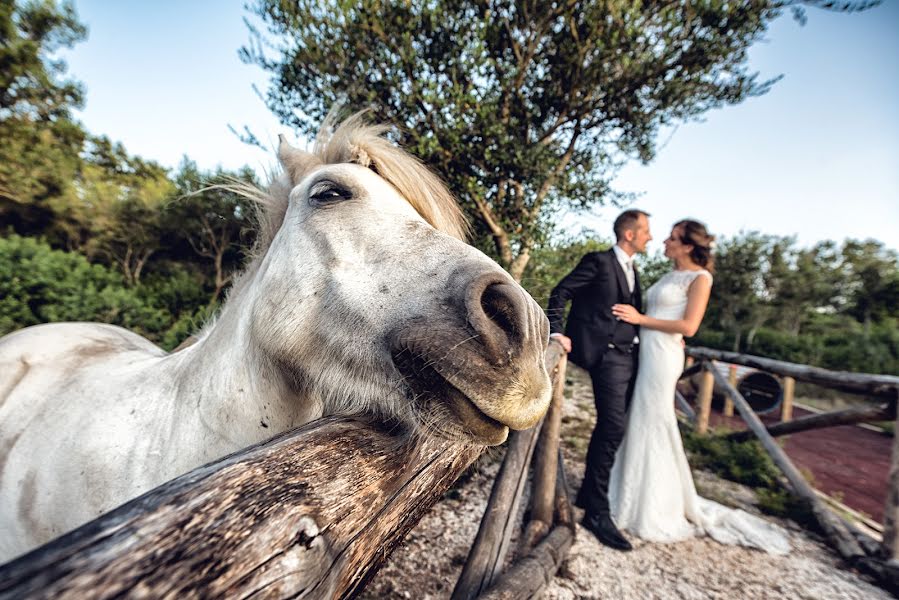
{"points": [[605, 531]]}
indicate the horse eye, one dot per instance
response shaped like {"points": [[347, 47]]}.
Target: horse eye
{"points": [[328, 192]]}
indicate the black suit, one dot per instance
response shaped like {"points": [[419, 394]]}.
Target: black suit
{"points": [[602, 345]]}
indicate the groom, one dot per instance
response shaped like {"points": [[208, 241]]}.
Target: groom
{"points": [[607, 349]]}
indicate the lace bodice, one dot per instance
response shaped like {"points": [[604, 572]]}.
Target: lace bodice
{"points": [[667, 298]]}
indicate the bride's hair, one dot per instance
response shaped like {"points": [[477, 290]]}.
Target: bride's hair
{"points": [[696, 235]]}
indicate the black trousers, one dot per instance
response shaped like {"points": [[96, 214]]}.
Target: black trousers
{"points": [[613, 383]]}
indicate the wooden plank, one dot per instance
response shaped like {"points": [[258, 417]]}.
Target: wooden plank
{"points": [[833, 525], [847, 416], [706, 387], [310, 514], [786, 406], [856, 383]]}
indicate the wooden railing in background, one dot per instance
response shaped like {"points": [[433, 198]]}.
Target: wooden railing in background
{"points": [[880, 560]]}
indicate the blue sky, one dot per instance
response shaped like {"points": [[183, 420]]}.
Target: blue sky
{"points": [[817, 157]]}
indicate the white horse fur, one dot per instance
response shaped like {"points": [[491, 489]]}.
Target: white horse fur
{"points": [[361, 298]]}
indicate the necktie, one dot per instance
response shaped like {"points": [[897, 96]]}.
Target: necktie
{"points": [[629, 272]]}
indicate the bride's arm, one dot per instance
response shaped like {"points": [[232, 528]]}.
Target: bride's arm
{"points": [[697, 301]]}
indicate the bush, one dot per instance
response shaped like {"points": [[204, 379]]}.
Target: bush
{"points": [[747, 463], [41, 285]]}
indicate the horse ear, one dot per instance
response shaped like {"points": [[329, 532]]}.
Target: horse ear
{"points": [[294, 161]]}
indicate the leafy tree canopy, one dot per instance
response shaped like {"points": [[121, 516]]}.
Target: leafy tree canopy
{"points": [[525, 107]]}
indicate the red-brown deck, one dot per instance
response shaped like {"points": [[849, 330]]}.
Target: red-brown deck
{"points": [[850, 463]]}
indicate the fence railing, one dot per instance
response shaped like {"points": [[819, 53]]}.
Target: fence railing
{"points": [[857, 548]]}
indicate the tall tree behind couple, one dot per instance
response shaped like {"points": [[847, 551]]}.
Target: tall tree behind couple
{"points": [[637, 477]]}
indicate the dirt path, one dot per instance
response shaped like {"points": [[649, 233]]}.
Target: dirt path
{"points": [[428, 562]]}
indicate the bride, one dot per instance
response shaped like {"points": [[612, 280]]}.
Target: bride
{"points": [[651, 489]]}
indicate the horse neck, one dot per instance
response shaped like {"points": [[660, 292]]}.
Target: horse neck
{"points": [[238, 395]]}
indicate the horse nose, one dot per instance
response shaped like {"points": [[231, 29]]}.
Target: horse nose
{"points": [[499, 313]]}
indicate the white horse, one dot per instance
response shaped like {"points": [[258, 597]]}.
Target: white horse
{"points": [[361, 298]]}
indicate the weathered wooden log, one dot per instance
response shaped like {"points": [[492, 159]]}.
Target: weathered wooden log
{"points": [[309, 514], [684, 406], [848, 416], [530, 575], [546, 460], [832, 524], [564, 515], [693, 369], [856, 383], [488, 552], [891, 510], [732, 379], [786, 403]]}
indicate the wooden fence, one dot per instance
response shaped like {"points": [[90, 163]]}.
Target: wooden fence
{"points": [[856, 547], [314, 512], [311, 513]]}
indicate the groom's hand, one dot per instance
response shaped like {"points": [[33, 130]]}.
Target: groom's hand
{"points": [[563, 340]]}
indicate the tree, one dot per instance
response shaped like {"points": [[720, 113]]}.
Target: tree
{"points": [[873, 289], [39, 156], [736, 305], [800, 281], [212, 220], [525, 107], [123, 198]]}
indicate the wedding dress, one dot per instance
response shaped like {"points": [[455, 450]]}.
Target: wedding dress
{"points": [[651, 489]]}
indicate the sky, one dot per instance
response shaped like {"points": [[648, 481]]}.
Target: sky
{"points": [[816, 158]]}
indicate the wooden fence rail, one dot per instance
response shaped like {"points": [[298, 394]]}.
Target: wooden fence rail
{"points": [[856, 547], [308, 514]]}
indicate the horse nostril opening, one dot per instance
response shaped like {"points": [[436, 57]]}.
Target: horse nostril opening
{"points": [[503, 306]]}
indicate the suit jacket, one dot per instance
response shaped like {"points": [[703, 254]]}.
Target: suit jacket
{"points": [[595, 284]]}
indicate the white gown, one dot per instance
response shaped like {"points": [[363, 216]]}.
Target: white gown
{"points": [[651, 489]]}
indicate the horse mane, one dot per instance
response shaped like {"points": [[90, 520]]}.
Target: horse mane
{"points": [[357, 142]]}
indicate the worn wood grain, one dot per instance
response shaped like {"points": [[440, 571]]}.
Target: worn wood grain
{"points": [[531, 574], [543, 486], [309, 514]]}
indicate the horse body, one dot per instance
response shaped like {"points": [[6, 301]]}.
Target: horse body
{"points": [[361, 300]]}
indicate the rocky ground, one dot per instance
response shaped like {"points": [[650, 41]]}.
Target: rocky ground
{"points": [[428, 562]]}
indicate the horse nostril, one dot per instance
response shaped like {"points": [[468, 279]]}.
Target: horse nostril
{"points": [[503, 306], [498, 313]]}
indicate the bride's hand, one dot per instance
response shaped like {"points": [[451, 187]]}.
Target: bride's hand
{"points": [[627, 313]]}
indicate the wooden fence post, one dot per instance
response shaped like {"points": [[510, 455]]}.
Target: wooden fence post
{"points": [[728, 402], [786, 408], [546, 459], [706, 386]]}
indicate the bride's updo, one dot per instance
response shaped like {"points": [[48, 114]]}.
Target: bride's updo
{"points": [[696, 235]]}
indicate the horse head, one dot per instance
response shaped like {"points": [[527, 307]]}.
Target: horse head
{"points": [[365, 297]]}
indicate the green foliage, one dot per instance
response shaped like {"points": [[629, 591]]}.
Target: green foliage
{"points": [[42, 285], [747, 463], [525, 108], [39, 153]]}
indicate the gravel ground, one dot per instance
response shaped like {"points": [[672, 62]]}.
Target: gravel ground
{"points": [[429, 561]]}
